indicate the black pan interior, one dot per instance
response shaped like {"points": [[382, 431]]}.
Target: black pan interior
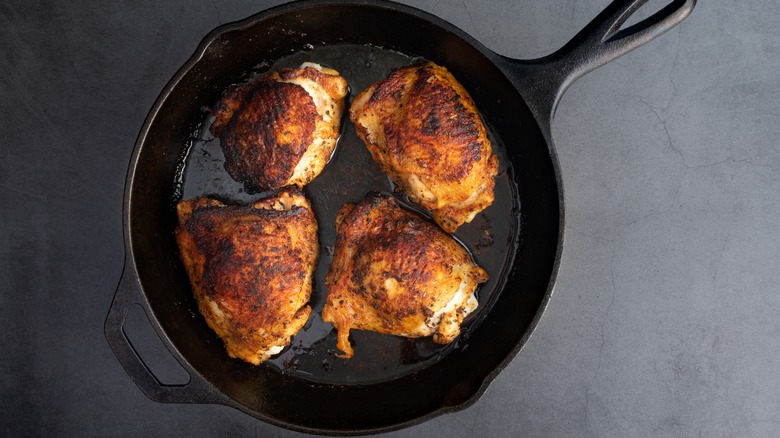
{"points": [[307, 387], [349, 176]]}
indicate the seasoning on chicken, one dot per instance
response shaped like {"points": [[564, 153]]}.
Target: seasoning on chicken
{"points": [[395, 273], [281, 129], [422, 128], [251, 268]]}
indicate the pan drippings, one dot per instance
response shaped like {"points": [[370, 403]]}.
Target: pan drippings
{"points": [[348, 177]]}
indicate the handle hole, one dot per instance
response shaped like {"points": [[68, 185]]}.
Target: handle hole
{"points": [[644, 12], [151, 349], [646, 16]]}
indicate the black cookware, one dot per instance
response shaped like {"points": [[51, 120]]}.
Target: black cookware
{"points": [[391, 382]]}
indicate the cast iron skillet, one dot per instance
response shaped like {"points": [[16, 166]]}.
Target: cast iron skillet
{"points": [[392, 382]]}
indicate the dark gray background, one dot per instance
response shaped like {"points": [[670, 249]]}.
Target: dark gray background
{"points": [[664, 318]]}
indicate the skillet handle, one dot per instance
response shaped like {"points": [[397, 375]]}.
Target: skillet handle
{"points": [[543, 81], [128, 294]]}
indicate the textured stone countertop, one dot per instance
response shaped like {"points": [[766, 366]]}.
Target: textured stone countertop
{"points": [[664, 318]]}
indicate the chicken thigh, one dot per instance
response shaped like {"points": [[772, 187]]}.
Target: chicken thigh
{"points": [[422, 128], [251, 269], [395, 273], [281, 128]]}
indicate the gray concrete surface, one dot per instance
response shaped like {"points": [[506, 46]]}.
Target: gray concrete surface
{"points": [[664, 318]]}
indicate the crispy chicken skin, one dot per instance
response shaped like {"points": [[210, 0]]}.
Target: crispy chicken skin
{"points": [[423, 129], [281, 128], [395, 273], [251, 268]]}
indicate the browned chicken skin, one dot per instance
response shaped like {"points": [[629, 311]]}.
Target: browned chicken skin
{"points": [[423, 129], [395, 273], [251, 269], [281, 128]]}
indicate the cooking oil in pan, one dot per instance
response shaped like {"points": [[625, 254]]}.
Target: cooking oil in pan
{"points": [[348, 177]]}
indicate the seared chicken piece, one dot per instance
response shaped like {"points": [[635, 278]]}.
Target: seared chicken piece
{"points": [[281, 128], [251, 268], [395, 273], [423, 129]]}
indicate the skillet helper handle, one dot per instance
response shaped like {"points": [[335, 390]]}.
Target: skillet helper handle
{"points": [[129, 294], [543, 81]]}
